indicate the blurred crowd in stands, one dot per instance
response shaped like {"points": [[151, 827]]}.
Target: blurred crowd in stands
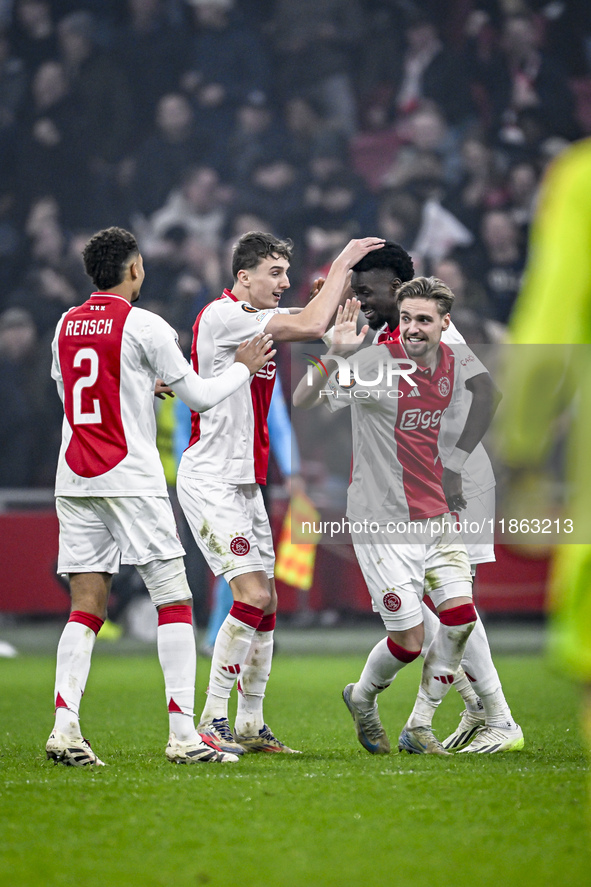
{"points": [[192, 121]]}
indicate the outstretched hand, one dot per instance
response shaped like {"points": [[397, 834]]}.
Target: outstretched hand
{"points": [[256, 352], [345, 336]]}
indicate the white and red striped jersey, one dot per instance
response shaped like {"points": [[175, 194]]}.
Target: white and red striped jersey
{"points": [[107, 356], [477, 473], [230, 442], [396, 465]]}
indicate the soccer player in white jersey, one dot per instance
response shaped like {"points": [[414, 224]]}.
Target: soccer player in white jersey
{"points": [[111, 496], [408, 486], [220, 472], [376, 280]]}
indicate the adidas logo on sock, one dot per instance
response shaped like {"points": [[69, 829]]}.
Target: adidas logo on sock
{"points": [[232, 669], [444, 678]]}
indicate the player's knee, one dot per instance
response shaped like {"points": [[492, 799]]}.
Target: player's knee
{"points": [[459, 622], [462, 615], [253, 588], [259, 597], [166, 581]]}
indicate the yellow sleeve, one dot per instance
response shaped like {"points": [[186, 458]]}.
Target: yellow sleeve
{"points": [[554, 305]]}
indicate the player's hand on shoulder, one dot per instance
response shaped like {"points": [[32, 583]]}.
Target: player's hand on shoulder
{"points": [[256, 352], [357, 249], [162, 390]]}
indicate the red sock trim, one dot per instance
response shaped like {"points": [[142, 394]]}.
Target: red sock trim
{"points": [[247, 613], [400, 653], [87, 619], [267, 623], [459, 615], [174, 708], [59, 702], [175, 613]]}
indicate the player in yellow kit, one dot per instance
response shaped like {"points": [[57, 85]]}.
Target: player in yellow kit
{"points": [[554, 307]]}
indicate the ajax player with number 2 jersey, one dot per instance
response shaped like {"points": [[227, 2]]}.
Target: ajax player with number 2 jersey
{"points": [[111, 496]]}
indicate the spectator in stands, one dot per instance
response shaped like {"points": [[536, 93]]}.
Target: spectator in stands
{"points": [[521, 77], [306, 127], [33, 35], [502, 262], [481, 181], [257, 131], [199, 204], [342, 200], [468, 293], [106, 115], [52, 279], [51, 148], [184, 275], [13, 83], [522, 194], [12, 242], [331, 50], [275, 192], [174, 145], [429, 70], [399, 217], [146, 47], [225, 60], [19, 429], [314, 43], [428, 144]]}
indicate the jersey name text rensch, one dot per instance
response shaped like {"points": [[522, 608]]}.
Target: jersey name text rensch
{"points": [[88, 327]]}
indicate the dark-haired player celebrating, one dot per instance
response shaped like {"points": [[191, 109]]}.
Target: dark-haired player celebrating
{"points": [[112, 501], [220, 472]]}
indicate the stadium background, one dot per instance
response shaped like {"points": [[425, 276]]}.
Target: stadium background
{"points": [[190, 122]]}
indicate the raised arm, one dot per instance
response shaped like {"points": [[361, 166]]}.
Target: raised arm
{"points": [[201, 394], [314, 318], [346, 340]]}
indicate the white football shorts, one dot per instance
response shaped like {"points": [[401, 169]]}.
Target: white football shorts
{"points": [[98, 533], [477, 526], [230, 525], [398, 575]]}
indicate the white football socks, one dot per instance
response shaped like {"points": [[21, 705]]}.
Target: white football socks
{"points": [[441, 662], [74, 654], [461, 682], [229, 655], [178, 660], [382, 665], [479, 666], [253, 681]]}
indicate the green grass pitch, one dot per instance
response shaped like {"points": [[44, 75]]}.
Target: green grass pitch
{"points": [[333, 816]]}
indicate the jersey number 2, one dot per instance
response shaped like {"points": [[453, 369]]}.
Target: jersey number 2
{"points": [[81, 418]]}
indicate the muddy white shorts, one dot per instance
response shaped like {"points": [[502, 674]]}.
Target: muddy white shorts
{"points": [[476, 523], [230, 525], [97, 533], [398, 575]]}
